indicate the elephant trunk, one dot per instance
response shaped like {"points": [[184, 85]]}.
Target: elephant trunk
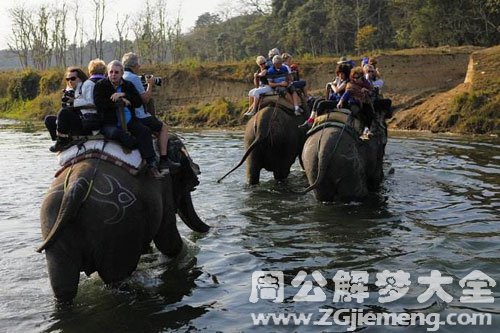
{"points": [[188, 214], [254, 144], [73, 198]]}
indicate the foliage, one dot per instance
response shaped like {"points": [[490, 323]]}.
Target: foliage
{"points": [[221, 112], [50, 82], [25, 86], [365, 38]]}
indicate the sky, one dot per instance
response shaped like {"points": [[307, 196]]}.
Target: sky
{"points": [[189, 11]]}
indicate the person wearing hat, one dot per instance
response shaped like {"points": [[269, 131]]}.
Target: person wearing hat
{"points": [[346, 61]]}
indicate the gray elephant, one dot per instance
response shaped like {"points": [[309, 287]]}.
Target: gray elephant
{"points": [[272, 140], [96, 216], [337, 163]]}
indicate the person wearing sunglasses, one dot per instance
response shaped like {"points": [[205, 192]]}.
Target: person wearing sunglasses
{"points": [[374, 79], [68, 121], [357, 94], [261, 86]]}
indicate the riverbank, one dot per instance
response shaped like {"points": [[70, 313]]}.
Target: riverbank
{"points": [[427, 87]]}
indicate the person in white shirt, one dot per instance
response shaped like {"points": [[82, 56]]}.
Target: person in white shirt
{"points": [[131, 63]]}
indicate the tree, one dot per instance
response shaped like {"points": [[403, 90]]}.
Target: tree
{"points": [[99, 7], [59, 40], [20, 42], [365, 38]]}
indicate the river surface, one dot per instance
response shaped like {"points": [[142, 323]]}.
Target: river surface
{"points": [[439, 210]]}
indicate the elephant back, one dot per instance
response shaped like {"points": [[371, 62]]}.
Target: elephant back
{"points": [[281, 103], [338, 119]]}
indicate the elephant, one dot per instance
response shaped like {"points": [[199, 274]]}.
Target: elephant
{"points": [[97, 216], [337, 163], [273, 139]]}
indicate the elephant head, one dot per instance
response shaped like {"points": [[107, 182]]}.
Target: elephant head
{"points": [[272, 140], [97, 216], [338, 164]]}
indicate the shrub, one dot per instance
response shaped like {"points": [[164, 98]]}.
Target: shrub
{"points": [[50, 82], [25, 86]]}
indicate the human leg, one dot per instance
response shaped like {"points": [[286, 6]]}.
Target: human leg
{"points": [[51, 124]]}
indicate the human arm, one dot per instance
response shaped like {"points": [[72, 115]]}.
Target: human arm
{"points": [[132, 95], [86, 98]]}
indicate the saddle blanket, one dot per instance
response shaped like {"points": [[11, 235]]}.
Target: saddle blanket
{"points": [[107, 150]]}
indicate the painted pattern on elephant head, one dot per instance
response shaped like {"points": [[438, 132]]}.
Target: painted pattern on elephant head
{"points": [[116, 195]]}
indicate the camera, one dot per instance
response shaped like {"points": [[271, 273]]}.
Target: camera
{"points": [[157, 80], [67, 98]]}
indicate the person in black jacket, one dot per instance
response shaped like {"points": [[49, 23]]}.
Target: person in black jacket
{"points": [[117, 122]]}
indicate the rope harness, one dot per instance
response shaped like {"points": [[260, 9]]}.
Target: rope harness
{"points": [[91, 183]]}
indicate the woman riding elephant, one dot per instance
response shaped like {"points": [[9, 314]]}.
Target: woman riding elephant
{"points": [[272, 139], [97, 216]]}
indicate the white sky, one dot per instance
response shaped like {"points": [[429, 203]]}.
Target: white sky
{"points": [[189, 11]]}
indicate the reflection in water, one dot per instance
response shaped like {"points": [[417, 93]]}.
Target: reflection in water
{"points": [[438, 211]]}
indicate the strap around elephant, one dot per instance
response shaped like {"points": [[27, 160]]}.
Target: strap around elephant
{"points": [[352, 132]]}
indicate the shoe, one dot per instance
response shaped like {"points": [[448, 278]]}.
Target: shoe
{"points": [[60, 145], [306, 125], [365, 137], [168, 165], [299, 111], [250, 113], [154, 172]]}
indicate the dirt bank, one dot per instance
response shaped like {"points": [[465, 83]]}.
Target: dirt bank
{"points": [[423, 83]]}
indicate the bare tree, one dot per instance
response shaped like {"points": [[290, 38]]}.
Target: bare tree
{"points": [[20, 39], [122, 28], [41, 51], [100, 7], [262, 7], [59, 40]]}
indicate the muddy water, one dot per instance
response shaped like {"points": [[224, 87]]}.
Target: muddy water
{"points": [[439, 211]]}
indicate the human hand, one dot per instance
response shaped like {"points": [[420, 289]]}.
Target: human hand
{"points": [[126, 101], [339, 105], [116, 96], [150, 80]]}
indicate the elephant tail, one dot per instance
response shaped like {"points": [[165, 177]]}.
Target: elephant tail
{"points": [[73, 198], [324, 156], [254, 144], [322, 167]]}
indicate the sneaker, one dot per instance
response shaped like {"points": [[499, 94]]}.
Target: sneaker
{"points": [[168, 165], [154, 172], [249, 113], [299, 111], [306, 125], [60, 145], [364, 137]]}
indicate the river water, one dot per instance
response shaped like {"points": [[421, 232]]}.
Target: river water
{"points": [[439, 210]]}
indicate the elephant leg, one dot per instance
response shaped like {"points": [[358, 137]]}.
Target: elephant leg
{"points": [[352, 188], [281, 174], [253, 172], [167, 239], [64, 271]]}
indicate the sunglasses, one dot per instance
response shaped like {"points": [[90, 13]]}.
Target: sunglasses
{"points": [[357, 77], [73, 78], [262, 64]]}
